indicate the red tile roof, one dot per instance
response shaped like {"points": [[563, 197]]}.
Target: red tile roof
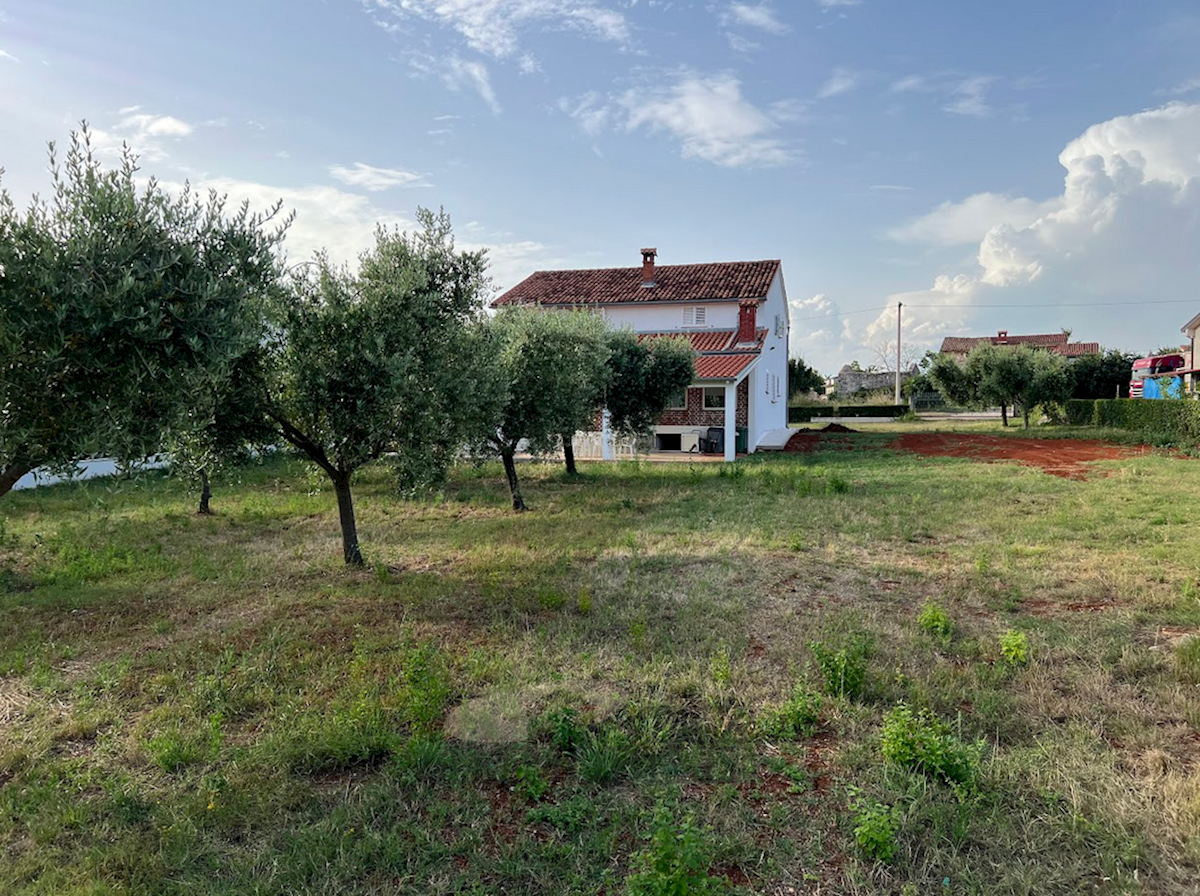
{"points": [[673, 283], [723, 367], [708, 340], [1055, 342], [1076, 349]]}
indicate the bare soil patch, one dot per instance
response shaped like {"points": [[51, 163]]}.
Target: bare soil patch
{"points": [[1058, 457], [1068, 458]]}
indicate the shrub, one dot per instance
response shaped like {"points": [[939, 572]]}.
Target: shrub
{"points": [[675, 863], [935, 621], [844, 668], [1171, 421], [1014, 647], [875, 828], [798, 717], [922, 742]]}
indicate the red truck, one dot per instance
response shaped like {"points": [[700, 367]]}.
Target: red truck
{"points": [[1155, 365]]}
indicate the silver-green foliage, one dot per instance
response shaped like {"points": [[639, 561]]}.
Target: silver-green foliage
{"points": [[540, 371], [118, 303], [376, 360]]}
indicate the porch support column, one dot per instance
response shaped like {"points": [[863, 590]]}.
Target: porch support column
{"points": [[731, 421], [606, 440]]}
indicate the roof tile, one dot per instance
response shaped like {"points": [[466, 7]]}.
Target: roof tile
{"points": [[672, 283], [722, 367]]}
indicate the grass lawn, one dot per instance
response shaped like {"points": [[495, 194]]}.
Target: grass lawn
{"points": [[851, 671]]}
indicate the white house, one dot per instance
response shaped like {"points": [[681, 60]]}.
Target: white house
{"points": [[734, 313]]}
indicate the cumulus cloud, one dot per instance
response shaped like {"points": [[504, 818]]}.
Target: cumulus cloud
{"points": [[145, 134], [373, 179], [968, 221], [1124, 229], [754, 15], [493, 27], [343, 223], [707, 114]]}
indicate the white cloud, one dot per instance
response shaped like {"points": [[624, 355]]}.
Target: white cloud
{"points": [[968, 221], [459, 74], [756, 15], [493, 27], [145, 134], [970, 97], [344, 224], [841, 81], [1124, 229], [1189, 86], [373, 179], [8, 56], [707, 114], [831, 4]]}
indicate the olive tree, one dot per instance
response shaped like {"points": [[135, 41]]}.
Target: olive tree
{"points": [[118, 304], [375, 361], [225, 424], [542, 369], [638, 382], [1003, 375]]}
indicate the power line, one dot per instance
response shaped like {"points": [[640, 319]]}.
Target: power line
{"points": [[971, 305]]}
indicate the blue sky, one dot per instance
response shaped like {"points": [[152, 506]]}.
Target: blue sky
{"points": [[1026, 165]]}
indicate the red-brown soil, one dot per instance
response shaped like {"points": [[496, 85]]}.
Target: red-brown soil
{"points": [[1058, 457]]}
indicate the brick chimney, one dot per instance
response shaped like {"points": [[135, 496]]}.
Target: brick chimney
{"points": [[1002, 337], [648, 266], [747, 320]]}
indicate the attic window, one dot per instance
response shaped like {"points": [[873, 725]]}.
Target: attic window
{"points": [[696, 316]]}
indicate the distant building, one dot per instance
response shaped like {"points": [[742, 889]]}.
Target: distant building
{"points": [[849, 380], [958, 347]]}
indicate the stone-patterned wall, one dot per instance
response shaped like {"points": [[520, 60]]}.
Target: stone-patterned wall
{"points": [[850, 381], [697, 415]]}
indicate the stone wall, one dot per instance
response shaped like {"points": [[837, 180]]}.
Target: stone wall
{"points": [[850, 381]]}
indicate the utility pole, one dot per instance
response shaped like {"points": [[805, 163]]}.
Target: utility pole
{"points": [[899, 305]]}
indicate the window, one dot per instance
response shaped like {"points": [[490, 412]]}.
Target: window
{"points": [[677, 401], [714, 397], [696, 316], [778, 324]]}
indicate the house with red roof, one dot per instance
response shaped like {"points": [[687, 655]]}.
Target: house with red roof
{"points": [[958, 347], [733, 313]]}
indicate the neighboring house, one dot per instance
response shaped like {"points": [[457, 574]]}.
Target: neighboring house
{"points": [[734, 314], [958, 347], [1188, 350]]}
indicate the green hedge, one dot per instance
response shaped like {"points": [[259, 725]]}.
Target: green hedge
{"points": [[807, 413], [1178, 418]]}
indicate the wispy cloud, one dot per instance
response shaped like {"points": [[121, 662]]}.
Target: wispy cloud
{"points": [[8, 57], [707, 114], [890, 188], [1189, 86], [493, 27], [831, 4], [373, 179], [841, 81], [459, 74], [754, 15], [970, 97]]}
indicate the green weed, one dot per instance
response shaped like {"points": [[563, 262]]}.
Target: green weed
{"points": [[935, 621], [922, 742], [675, 862], [1014, 647], [843, 668]]}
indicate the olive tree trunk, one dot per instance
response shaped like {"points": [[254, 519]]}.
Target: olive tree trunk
{"points": [[514, 486], [205, 494], [350, 549], [10, 474], [568, 443]]}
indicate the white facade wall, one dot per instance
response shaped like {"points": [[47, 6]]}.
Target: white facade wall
{"points": [[655, 317], [768, 377]]}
